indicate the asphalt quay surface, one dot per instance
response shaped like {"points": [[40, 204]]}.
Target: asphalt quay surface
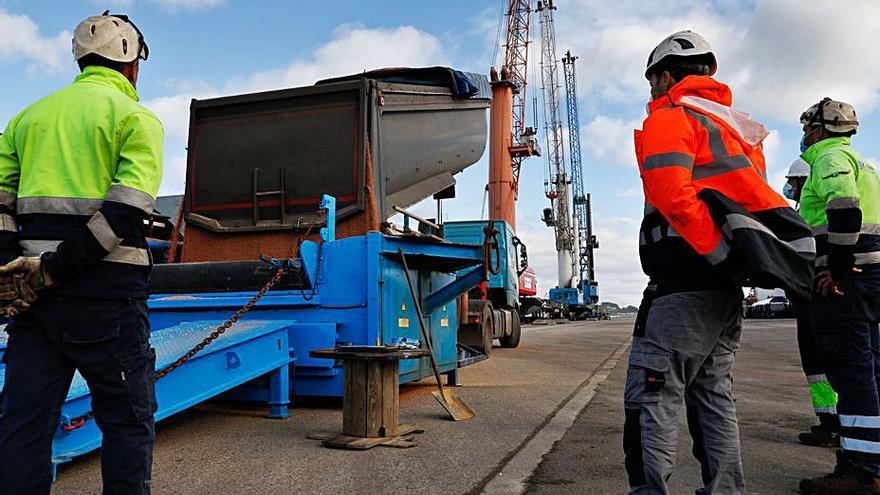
{"points": [[519, 395], [772, 406]]}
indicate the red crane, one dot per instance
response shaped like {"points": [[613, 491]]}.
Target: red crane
{"points": [[510, 140]]}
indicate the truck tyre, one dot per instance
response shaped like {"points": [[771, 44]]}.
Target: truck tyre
{"points": [[478, 335], [487, 323], [512, 341]]}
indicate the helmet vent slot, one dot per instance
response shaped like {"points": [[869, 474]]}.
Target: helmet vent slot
{"points": [[685, 44]]}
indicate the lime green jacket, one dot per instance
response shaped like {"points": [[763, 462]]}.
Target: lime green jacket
{"points": [[79, 174], [841, 200], [42, 153]]}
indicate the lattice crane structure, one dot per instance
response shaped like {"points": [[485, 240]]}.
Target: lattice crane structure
{"points": [[583, 221]]}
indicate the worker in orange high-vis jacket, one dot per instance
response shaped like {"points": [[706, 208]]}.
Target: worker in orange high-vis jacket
{"points": [[689, 322]]}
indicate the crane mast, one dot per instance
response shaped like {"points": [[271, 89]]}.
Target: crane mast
{"points": [[516, 59], [556, 185], [583, 222], [510, 140]]}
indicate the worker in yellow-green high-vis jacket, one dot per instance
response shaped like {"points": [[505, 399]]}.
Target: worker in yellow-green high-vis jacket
{"points": [[841, 202], [79, 173]]}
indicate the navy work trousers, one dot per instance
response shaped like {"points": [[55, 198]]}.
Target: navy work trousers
{"points": [[108, 342], [813, 363], [845, 328]]}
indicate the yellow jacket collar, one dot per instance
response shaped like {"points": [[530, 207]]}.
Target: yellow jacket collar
{"points": [[108, 77]]}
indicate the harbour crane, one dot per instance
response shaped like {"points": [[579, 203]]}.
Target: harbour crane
{"points": [[556, 184], [583, 221]]}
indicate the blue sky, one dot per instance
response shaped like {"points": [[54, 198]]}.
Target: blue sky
{"points": [[772, 53]]}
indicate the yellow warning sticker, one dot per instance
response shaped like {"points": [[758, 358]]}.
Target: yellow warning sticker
{"points": [[444, 322], [403, 322]]}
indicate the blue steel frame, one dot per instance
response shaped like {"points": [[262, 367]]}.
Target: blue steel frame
{"points": [[360, 296], [247, 351]]}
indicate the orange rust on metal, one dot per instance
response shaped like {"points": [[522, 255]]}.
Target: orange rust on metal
{"points": [[171, 255], [200, 244]]}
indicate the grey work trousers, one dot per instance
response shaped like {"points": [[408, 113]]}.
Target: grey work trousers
{"points": [[685, 355]]}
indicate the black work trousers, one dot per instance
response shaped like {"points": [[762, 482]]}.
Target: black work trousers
{"points": [[108, 342], [813, 363], [845, 328]]}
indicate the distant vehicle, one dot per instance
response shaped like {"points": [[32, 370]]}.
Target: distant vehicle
{"points": [[772, 307]]}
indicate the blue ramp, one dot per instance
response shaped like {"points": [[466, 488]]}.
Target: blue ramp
{"points": [[248, 350]]}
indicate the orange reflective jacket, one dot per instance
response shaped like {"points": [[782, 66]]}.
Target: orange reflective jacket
{"points": [[693, 140]]}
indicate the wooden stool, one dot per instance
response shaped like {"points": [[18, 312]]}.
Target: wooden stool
{"points": [[370, 397]]}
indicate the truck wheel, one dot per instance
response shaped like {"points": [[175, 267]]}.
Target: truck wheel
{"points": [[487, 322], [478, 335], [512, 341]]}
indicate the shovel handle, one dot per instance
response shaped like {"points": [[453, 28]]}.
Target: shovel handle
{"points": [[425, 336]]}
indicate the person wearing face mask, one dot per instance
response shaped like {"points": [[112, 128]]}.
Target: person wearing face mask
{"points": [[822, 395], [702, 168], [841, 202], [795, 179]]}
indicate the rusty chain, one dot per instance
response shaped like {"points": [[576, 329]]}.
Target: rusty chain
{"points": [[78, 421], [223, 327]]}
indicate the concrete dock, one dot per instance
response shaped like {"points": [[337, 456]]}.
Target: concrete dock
{"points": [[549, 421]]}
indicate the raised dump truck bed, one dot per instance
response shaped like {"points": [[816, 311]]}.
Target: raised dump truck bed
{"points": [[257, 167]]}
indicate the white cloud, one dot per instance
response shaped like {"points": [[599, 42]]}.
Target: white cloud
{"points": [[779, 56], [353, 49], [617, 261], [795, 53], [20, 38], [610, 140]]}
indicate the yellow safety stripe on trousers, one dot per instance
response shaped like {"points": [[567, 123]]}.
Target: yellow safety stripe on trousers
{"points": [[120, 254], [822, 394]]}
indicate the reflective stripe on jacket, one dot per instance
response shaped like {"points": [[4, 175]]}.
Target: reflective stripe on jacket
{"points": [[841, 201], [694, 140], [79, 174]]}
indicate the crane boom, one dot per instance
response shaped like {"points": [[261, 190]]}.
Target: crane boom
{"points": [[586, 241], [556, 187], [516, 60]]}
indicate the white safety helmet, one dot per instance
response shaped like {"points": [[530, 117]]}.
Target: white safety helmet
{"points": [[834, 116], [682, 44], [798, 168], [112, 36]]}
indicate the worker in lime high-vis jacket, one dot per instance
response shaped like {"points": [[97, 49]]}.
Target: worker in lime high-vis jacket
{"points": [[824, 398], [841, 202], [79, 173]]}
